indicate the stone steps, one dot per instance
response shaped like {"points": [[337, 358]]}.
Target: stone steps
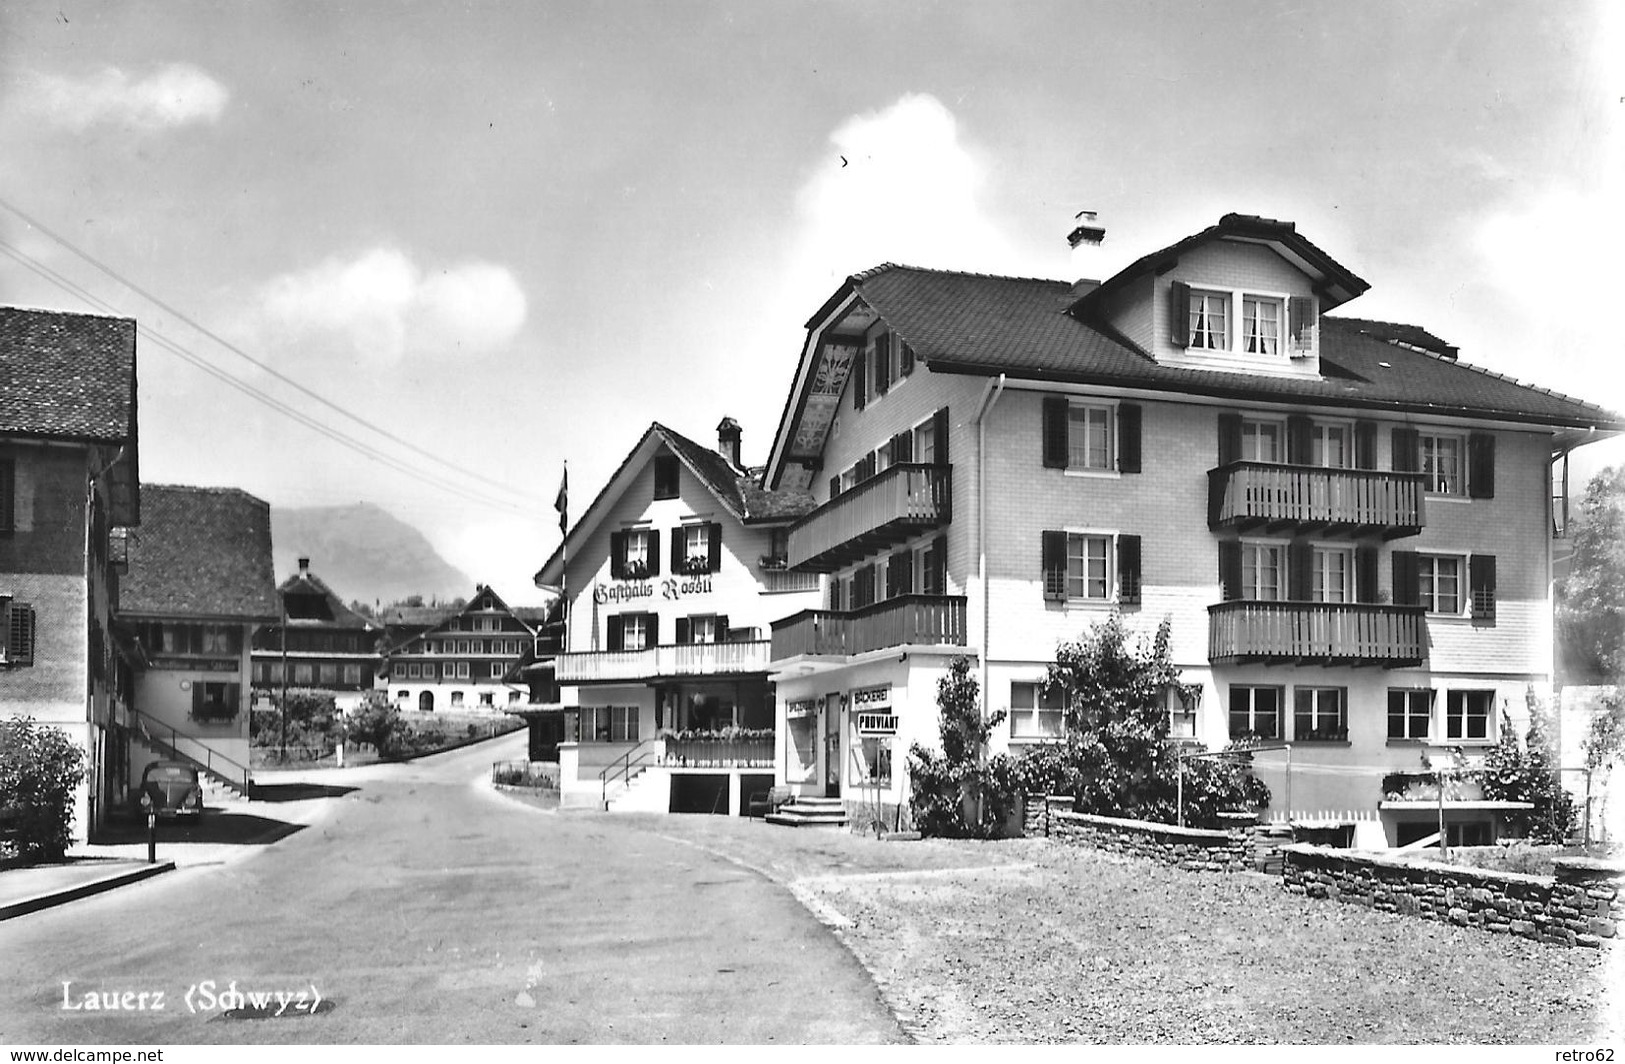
{"points": [[810, 812]]}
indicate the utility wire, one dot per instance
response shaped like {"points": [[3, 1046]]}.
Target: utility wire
{"points": [[191, 357], [239, 352]]}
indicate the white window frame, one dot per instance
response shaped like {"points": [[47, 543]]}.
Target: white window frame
{"points": [[1252, 708], [639, 621], [1251, 586], [1030, 706], [635, 548], [1251, 433], [462, 670], [1320, 574], [1320, 437], [1427, 461], [1205, 303], [1092, 464], [1319, 693], [457, 698], [488, 698], [1409, 714], [1250, 331], [1461, 719], [925, 442], [697, 533], [623, 724], [1427, 578], [1184, 705], [883, 458], [1109, 579], [497, 670]]}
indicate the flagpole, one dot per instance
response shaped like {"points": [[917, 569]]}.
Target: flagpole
{"points": [[564, 552]]}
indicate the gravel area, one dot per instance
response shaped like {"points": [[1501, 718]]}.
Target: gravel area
{"points": [[1030, 941]]}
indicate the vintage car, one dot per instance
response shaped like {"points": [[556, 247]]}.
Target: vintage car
{"points": [[171, 789]]}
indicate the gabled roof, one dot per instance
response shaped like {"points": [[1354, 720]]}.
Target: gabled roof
{"points": [[67, 376], [448, 616], [1336, 283], [739, 491], [335, 614], [200, 553]]}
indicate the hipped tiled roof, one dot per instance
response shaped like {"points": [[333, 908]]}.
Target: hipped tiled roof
{"points": [[67, 375], [200, 552], [306, 583]]}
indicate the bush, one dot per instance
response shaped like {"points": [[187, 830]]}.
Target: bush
{"points": [[378, 723], [40, 768], [955, 793], [1529, 774]]}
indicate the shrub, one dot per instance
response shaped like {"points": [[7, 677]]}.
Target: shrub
{"points": [[40, 768], [1529, 774], [959, 792], [378, 723]]}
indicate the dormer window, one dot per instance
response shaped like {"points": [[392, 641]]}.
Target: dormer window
{"points": [[1261, 325], [1267, 324], [1209, 320]]}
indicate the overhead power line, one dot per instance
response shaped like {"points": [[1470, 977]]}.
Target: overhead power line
{"points": [[194, 359], [240, 353]]}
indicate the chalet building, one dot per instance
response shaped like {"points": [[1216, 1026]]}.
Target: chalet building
{"points": [[68, 476], [318, 642], [461, 662], [198, 585], [1348, 527], [673, 577]]}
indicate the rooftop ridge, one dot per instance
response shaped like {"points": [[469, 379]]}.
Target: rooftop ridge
{"points": [[873, 271]]}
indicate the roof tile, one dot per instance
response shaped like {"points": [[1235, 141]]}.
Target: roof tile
{"points": [[200, 552]]}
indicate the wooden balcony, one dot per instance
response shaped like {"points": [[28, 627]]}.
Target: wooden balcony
{"points": [[936, 620], [884, 510], [677, 659], [1316, 633], [1336, 502]]}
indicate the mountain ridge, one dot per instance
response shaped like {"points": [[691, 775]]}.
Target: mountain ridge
{"points": [[363, 552]]}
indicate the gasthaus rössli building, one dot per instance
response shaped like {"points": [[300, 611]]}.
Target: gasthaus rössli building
{"points": [[673, 575], [1349, 528]]}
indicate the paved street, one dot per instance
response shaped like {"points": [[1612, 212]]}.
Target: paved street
{"points": [[428, 909]]}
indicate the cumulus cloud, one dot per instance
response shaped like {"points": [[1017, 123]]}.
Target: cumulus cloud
{"points": [[381, 306], [174, 95], [900, 185]]}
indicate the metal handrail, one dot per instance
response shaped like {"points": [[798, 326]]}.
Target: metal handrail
{"points": [[206, 762], [606, 776]]}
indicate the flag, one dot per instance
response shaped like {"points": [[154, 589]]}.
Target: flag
{"points": [[562, 503]]}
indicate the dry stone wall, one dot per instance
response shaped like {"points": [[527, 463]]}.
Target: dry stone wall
{"points": [[1193, 849]]}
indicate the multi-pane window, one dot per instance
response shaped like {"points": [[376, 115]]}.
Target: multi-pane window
{"points": [[636, 559], [1261, 440], [462, 670], [702, 629], [1467, 714], [1261, 325], [1209, 324], [884, 457], [1261, 565], [1089, 437], [1329, 446], [1182, 705], [925, 442], [1440, 459], [634, 631], [697, 545], [497, 669], [1409, 712], [1439, 578], [1255, 712], [609, 724], [1320, 713], [1036, 713], [1088, 568], [1333, 575], [352, 674]]}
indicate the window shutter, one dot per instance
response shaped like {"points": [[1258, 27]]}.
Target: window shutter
{"points": [[714, 541], [1300, 432], [1302, 309], [1054, 566], [1128, 438], [653, 629], [197, 697], [1481, 466], [1481, 579], [894, 573], [1128, 570], [939, 435], [902, 447], [939, 566], [722, 627], [1230, 569], [1407, 582], [834, 592], [906, 361], [860, 381], [1229, 438], [866, 467], [654, 552], [834, 487], [1407, 450], [1365, 445], [1179, 314], [234, 698], [685, 630], [8, 495], [1055, 432], [1365, 574], [617, 555], [882, 364], [678, 545], [1300, 564]]}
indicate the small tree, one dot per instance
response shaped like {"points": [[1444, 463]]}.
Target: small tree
{"points": [[377, 722], [40, 768], [1591, 599], [961, 792], [1529, 774]]}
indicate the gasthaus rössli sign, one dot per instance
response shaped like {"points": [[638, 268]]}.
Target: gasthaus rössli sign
{"points": [[671, 589]]}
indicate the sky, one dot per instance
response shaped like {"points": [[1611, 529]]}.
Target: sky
{"points": [[479, 240]]}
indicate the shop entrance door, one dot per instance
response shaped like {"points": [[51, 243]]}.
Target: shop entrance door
{"points": [[832, 746]]}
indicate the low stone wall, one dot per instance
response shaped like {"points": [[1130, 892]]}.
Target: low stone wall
{"points": [[1192, 849], [1580, 905]]}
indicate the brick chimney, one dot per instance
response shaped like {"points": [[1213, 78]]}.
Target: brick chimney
{"points": [[728, 442]]}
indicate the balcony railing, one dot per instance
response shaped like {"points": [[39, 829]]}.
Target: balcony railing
{"points": [[1350, 502], [1317, 632], [909, 619], [884, 510], [719, 753], [678, 659]]}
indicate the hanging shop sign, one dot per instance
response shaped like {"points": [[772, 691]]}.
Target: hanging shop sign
{"points": [[871, 697], [877, 724], [801, 710]]}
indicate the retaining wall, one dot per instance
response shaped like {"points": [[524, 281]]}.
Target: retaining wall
{"points": [[1580, 905], [1193, 849]]}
